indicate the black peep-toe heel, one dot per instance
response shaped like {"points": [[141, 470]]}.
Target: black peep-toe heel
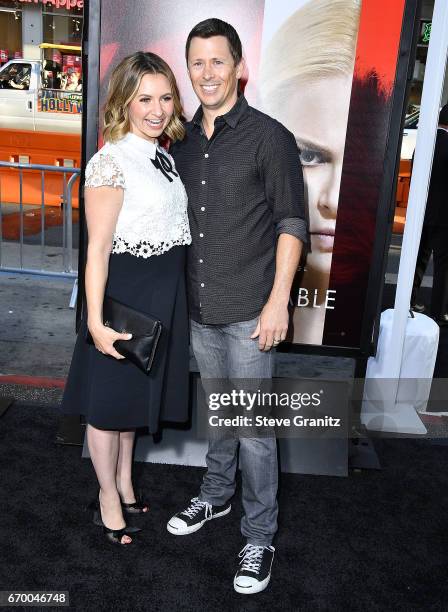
{"points": [[136, 507], [94, 506], [115, 535]]}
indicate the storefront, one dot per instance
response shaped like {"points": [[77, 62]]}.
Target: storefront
{"points": [[10, 30], [25, 24], [415, 93], [62, 25]]}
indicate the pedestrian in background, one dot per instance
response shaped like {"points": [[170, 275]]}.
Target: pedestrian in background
{"points": [[434, 238]]}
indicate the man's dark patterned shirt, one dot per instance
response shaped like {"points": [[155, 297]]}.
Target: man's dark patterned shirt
{"points": [[245, 187]]}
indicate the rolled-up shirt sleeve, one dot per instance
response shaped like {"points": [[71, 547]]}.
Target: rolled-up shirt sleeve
{"points": [[295, 226], [283, 177]]}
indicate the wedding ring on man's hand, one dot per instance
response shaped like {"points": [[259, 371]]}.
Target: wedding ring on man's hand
{"points": [[277, 341]]}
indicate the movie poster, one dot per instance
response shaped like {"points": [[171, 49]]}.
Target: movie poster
{"points": [[326, 70]]}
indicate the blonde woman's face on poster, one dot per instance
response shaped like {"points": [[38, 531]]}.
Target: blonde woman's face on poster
{"points": [[317, 114]]}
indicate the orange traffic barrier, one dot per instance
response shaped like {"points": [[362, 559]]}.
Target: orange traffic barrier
{"points": [[47, 148]]}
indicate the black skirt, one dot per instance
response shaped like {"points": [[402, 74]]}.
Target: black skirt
{"points": [[115, 394]]}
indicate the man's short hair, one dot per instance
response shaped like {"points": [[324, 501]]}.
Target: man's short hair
{"points": [[217, 27], [443, 116]]}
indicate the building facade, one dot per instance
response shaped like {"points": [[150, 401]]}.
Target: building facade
{"points": [[25, 24]]}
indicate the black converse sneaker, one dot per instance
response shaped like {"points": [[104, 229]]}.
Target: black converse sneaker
{"points": [[192, 518], [255, 572]]}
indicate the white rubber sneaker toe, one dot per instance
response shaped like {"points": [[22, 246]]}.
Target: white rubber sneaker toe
{"points": [[246, 584], [177, 526]]}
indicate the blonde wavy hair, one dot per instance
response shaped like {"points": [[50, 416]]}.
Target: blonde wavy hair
{"points": [[317, 41], [123, 87]]}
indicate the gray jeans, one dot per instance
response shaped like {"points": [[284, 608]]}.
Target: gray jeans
{"points": [[227, 352]]}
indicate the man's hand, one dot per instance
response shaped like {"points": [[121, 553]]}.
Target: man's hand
{"points": [[272, 325]]}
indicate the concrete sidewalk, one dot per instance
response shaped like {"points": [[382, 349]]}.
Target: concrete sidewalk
{"points": [[35, 257], [37, 325], [37, 335]]}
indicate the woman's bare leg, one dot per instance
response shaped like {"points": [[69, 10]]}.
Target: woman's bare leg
{"points": [[104, 448], [124, 467]]}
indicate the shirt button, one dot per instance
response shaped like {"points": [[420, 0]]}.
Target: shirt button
{"points": [[203, 182], [206, 155], [202, 208], [201, 235], [202, 285], [201, 261]]}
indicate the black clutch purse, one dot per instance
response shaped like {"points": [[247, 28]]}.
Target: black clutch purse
{"points": [[145, 330]]}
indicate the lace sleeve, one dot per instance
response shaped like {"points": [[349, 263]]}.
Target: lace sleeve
{"points": [[104, 170]]}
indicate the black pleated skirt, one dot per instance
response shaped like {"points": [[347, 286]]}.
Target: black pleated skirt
{"points": [[115, 394]]}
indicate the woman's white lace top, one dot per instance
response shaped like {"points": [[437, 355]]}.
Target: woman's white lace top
{"points": [[153, 217]]}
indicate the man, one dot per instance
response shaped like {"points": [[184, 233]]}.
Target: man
{"points": [[434, 236], [21, 79], [244, 181]]}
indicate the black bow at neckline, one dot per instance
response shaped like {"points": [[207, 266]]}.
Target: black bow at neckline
{"points": [[163, 163]]}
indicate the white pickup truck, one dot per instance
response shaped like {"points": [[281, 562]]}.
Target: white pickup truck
{"points": [[31, 98]]}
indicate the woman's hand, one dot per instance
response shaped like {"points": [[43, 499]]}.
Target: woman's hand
{"points": [[104, 338]]}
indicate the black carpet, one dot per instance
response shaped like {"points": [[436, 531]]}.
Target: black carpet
{"points": [[374, 541]]}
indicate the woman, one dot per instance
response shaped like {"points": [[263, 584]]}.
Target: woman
{"points": [[306, 81], [71, 82], [136, 212]]}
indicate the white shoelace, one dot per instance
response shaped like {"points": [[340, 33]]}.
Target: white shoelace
{"points": [[196, 506], [252, 558]]}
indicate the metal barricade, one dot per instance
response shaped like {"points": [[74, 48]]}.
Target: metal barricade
{"points": [[66, 245]]}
